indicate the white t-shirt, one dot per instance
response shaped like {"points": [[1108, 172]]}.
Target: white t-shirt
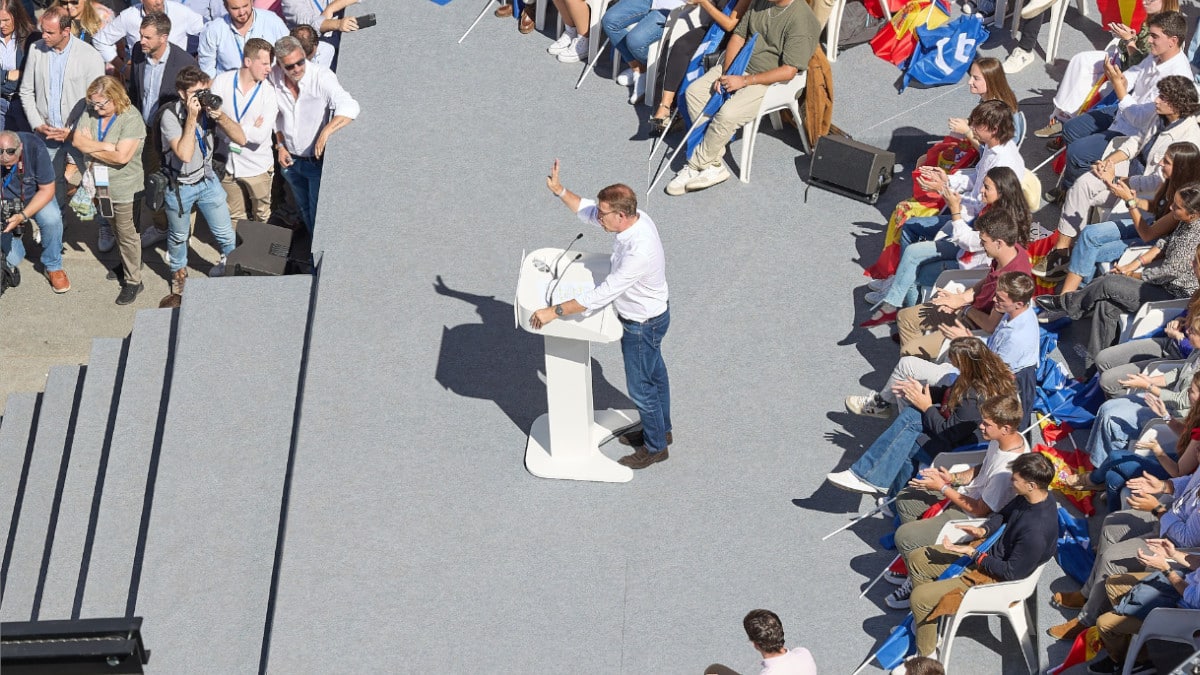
{"points": [[797, 661], [993, 482]]}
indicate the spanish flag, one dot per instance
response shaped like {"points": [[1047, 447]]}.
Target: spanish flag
{"points": [[1129, 12]]}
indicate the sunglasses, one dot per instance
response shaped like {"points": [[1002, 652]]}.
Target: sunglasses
{"points": [[292, 66], [73, 3], [9, 151]]}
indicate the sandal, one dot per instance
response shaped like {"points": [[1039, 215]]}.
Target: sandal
{"points": [[1080, 482], [526, 24]]}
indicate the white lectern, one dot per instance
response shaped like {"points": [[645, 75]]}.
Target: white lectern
{"points": [[565, 442]]}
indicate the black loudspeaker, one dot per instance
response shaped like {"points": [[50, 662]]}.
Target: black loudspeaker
{"points": [[262, 250], [851, 168]]}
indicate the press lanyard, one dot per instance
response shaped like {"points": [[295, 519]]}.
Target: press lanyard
{"points": [[319, 7], [239, 114], [8, 180], [101, 132], [200, 141]]}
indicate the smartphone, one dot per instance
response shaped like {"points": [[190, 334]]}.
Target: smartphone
{"points": [[365, 21]]}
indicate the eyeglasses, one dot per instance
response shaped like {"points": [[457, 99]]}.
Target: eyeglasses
{"points": [[73, 3], [292, 66], [96, 105], [601, 214], [9, 151]]}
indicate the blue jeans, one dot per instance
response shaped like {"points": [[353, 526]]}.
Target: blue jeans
{"points": [[632, 27], [49, 221], [1086, 137], [646, 377], [888, 463], [1101, 242], [1117, 421], [921, 260], [304, 175], [209, 197], [1120, 466]]}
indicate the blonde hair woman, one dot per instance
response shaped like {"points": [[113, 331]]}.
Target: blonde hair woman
{"points": [[87, 17]]}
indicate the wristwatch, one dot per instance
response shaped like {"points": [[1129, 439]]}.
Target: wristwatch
{"points": [[558, 310], [1158, 510], [1131, 202]]}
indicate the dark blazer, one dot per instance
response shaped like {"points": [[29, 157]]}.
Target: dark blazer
{"points": [[177, 59]]}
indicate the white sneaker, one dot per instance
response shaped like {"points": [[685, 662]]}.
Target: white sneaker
{"points": [[218, 270], [874, 297], [1035, 7], [560, 45], [578, 51], [880, 284], [895, 578], [899, 597], [885, 509], [152, 235], [1017, 61], [107, 239], [626, 77], [639, 88], [848, 481], [713, 175], [870, 405], [678, 184]]}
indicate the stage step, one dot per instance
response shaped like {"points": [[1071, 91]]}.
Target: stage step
{"points": [[108, 570], [42, 483], [93, 424], [210, 552], [16, 436]]}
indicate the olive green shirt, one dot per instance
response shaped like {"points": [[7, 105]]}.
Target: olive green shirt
{"points": [[124, 180], [786, 35]]}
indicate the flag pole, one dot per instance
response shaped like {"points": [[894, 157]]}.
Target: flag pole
{"points": [[701, 120], [881, 573], [592, 64], [878, 507], [477, 20]]}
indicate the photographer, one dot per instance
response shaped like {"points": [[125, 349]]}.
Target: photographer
{"points": [[188, 140], [27, 190]]}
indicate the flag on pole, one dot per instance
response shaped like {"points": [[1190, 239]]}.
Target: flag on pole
{"points": [[1084, 649], [1129, 12], [712, 40], [736, 67]]}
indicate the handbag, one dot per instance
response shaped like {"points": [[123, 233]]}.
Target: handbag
{"points": [[157, 184], [1150, 593]]}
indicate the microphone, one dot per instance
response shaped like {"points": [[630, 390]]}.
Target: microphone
{"points": [[554, 264], [550, 295]]}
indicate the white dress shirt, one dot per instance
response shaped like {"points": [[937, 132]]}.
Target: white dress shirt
{"points": [[1135, 112], [254, 158], [208, 10], [221, 45], [1005, 154], [636, 286], [304, 12], [302, 118], [128, 25]]}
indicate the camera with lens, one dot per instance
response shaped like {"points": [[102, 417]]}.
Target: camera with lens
{"points": [[208, 100], [10, 208]]}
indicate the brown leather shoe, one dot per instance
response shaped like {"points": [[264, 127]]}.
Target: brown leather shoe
{"points": [[1066, 631], [635, 438], [503, 11], [178, 280], [526, 24], [642, 458], [58, 281], [1072, 600]]}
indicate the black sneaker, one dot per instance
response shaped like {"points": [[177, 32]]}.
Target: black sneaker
{"points": [[642, 458], [635, 438], [129, 293], [1053, 264], [1050, 303], [1105, 666]]}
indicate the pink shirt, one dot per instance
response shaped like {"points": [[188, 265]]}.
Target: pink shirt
{"points": [[272, 5], [797, 661]]}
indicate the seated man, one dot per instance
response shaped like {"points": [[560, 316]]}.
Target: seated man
{"points": [[1030, 539], [1015, 340], [977, 492], [975, 307], [765, 631], [1087, 135], [788, 34]]}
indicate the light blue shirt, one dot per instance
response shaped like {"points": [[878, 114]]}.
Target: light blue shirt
{"points": [[152, 84], [1016, 341], [58, 73], [221, 45]]}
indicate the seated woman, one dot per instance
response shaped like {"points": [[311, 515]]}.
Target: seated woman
{"points": [[1087, 67], [572, 45], [1117, 630], [1122, 465], [632, 26], [1149, 219], [955, 245], [1029, 540], [681, 53], [1116, 363], [887, 465], [986, 80], [1165, 272], [1175, 104]]}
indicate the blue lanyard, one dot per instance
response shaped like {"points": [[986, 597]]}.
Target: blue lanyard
{"points": [[200, 141], [12, 172], [241, 113], [319, 7], [101, 132]]}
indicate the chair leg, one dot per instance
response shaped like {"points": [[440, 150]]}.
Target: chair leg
{"points": [[947, 628], [795, 108], [749, 133], [539, 15]]}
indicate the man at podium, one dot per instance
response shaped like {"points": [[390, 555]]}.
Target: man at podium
{"points": [[637, 288]]}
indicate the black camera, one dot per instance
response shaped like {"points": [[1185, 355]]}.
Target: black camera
{"points": [[208, 100], [10, 208]]}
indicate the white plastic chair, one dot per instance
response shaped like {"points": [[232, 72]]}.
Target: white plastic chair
{"points": [[1126, 257], [945, 460], [1163, 434], [595, 31], [1165, 623], [833, 28], [779, 96], [1152, 316], [1058, 12], [967, 278], [1005, 599], [681, 20]]}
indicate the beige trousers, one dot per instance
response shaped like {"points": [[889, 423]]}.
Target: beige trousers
{"points": [[737, 111], [256, 194]]}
